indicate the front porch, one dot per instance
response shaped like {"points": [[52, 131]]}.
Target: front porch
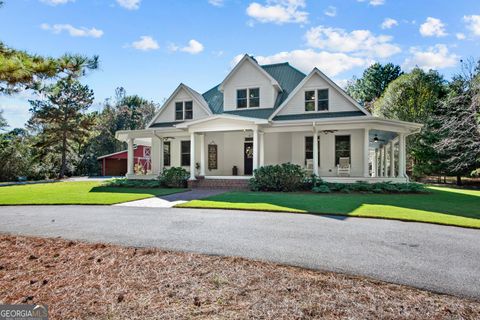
{"points": [[231, 149]]}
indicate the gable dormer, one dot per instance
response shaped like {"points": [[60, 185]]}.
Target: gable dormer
{"points": [[317, 94], [249, 86], [184, 104]]}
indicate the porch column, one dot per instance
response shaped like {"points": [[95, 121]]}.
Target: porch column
{"points": [[202, 155], [155, 155], [162, 160], [382, 164], [315, 152], [385, 160], [402, 171], [392, 159], [262, 149], [255, 149], [130, 158], [192, 156], [366, 153], [375, 163]]}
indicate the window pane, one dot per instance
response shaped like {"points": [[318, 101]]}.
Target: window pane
{"points": [[322, 105], [254, 93], [308, 147], [242, 98], [323, 94], [188, 110], [254, 96], [185, 153], [309, 105], [178, 111], [166, 153], [254, 102], [342, 148], [309, 95], [241, 103]]}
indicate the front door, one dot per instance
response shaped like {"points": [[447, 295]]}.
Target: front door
{"points": [[248, 158]]}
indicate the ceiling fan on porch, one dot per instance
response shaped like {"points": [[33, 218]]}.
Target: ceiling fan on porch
{"points": [[376, 139]]}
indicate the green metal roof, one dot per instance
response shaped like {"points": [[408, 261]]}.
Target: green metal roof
{"points": [[318, 115], [164, 124], [287, 76]]}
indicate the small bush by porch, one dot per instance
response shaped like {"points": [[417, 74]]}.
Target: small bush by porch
{"points": [[445, 206]]}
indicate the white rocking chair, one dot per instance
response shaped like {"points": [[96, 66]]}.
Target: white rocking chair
{"points": [[343, 167], [309, 166]]}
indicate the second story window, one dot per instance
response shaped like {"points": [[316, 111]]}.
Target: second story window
{"points": [[248, 98], [316, 100], [184, 110]]}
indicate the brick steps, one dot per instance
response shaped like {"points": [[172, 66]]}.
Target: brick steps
{"points": [[219, 183]]}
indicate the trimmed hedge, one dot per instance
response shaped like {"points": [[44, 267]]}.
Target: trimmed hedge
{"points": [[174, 177], [285, 177], [131, 183], [362, 186]]}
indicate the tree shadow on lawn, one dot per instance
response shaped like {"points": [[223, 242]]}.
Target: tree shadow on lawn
{"points": [[151, 191], [449, 202]]}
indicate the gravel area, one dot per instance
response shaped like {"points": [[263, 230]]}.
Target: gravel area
{"points": [[80, 280]]}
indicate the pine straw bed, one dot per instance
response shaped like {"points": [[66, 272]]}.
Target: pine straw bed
{"points": [[96, 281]]}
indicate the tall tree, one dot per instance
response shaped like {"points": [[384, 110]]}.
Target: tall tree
{"points": [[415, 97], [3, 121], [372, 84], [61, 119]]}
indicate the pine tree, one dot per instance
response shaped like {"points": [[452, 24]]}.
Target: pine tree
{"points": [[61, 121]]}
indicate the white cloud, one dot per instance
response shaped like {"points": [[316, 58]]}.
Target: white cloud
{"points": [[389, 23], [473, 23], [73, 31], [433, 27], [146, 43], [216, 3], [330, 63], [56, 2], [460, 36], [374, 2], [278, 11], [436, 57], [331, 11], [129, 4], [194, 47], [359, 42]]}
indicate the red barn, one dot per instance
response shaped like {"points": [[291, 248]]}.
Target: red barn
{"points": [[115, 164]]}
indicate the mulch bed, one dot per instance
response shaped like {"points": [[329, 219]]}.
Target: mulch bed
{"points": [[96, 281]]}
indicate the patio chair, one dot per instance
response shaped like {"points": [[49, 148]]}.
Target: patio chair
{"points": [[343, 167], [309, 166]]}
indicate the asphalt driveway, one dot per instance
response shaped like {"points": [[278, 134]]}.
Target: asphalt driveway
{"points": [[438, 258]]}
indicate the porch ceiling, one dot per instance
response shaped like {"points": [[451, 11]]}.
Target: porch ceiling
{"points": [[386, 136]]}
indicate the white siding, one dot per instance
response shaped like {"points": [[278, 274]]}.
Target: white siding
{"points": [[337, 102], [248, 76], [168, 114]]}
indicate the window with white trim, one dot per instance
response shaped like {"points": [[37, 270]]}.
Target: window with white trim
{"points": [[316, 100], [184, 110], [248, 98]]}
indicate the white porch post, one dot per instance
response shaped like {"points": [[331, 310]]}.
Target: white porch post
{"points": [[402, 171], [382, 163], [375, 163], [130, 158], [392, 159], [315, 152], [366, 153], [262, 149], [385, 161], [162, 160], [155, 155], [192, 156], [255, 149], [202, 155]]}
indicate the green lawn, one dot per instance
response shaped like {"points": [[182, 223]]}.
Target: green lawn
{"points": [[448, 206], [89, 192]]}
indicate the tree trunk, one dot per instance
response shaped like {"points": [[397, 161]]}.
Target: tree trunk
{"points": [[459, 180], [63, 166]]}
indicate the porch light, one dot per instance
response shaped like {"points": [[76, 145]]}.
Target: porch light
{"points": [[375, 139]]}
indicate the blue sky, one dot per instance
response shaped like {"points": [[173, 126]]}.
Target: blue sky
{"points": [[149, 46]]}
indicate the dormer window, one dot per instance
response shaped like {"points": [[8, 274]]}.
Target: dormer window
{"points": [[184, 110], [248, 98], [316, 100]]}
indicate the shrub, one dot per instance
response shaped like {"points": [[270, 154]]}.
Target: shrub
{"points": [[311, 182], [321, 189], [131, 183], [285, 177], [379, 187], [174, 177]]}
